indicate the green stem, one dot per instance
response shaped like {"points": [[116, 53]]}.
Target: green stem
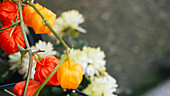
{"points": [[14, 24], [52, 30], [49, 76], [12, 31], [31, 1], [28, 46], [62, 42], [22, 26]]}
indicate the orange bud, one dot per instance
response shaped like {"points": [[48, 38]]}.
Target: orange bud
{"points": [[32, 87], [70, 76]]}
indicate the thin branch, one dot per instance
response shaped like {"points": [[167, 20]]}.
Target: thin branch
{"points": [[12, 31], [28, 46], [80, 92], [14, 24], [7, 85], [9, 92]]}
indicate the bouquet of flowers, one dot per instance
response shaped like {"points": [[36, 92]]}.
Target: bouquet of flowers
{"points": [[75, 70]]}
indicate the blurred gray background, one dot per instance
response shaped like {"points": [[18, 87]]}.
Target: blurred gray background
{"points": [[134, 35]]}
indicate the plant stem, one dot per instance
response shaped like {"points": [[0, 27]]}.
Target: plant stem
{"points": [[7, 85], [12, 31], [47, 24], [49, 76], [14, 24], [68, 59], [28, 46], [62, 42], [9, 92], [22, 26]]}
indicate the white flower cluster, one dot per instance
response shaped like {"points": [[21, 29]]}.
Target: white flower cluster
{"points": [[22, 65], [102, 86], [92, 60], [69, 19], [47, 47]]}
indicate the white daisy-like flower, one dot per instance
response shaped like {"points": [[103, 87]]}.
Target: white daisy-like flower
{"points": [[92, 60], [69, 19], [96, 60], [102, 86], [22, 65], [79, 57], [47, 47]]}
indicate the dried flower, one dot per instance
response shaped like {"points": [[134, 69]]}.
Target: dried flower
{"points": [[32, 87], [44, 67], [9, 43], [70, 75], [8, 12]]}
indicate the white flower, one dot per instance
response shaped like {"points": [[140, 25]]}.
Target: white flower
{"points": [[69, 19], [96, 60], [102, 86], [92, 60], [47, 47], [22, 66], [79, 57], [90, 70]]}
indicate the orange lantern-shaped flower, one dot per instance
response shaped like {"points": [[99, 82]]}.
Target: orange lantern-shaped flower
{"points": [[27, 13], [9, 43], [35, 21], [32, 87], [44, 67], [70, 75], [8, 12]]}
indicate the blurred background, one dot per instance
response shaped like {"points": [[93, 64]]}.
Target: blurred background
{"points": [[134, 35]]}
